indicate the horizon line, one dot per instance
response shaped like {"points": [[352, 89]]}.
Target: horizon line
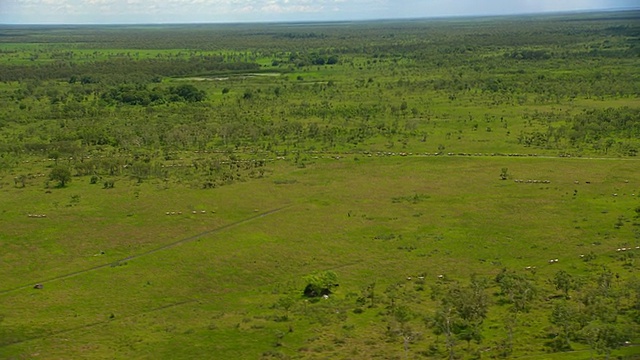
{"points": [[354, 20]]}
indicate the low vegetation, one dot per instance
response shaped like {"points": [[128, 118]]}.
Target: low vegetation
{"points": [[457, 189]]}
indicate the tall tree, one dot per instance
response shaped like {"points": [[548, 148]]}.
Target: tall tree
{"points": [[564, 281], [461, 312], [60, 174], [443, 322], [517, 289], [567, 318], [471, 304], [603, 337]]}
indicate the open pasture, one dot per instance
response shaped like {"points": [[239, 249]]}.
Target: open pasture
{"points": [[376, 220], [464, 188]]}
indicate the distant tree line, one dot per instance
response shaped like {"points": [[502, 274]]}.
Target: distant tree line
{"points": [[142, 95], [116, 71]]}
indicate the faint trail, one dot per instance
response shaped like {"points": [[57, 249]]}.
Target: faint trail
{"points": [[87, 326], [163, 247], [90, 325]]}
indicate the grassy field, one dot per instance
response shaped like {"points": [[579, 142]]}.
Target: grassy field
{"points": [[435, 167], [113, 288]]}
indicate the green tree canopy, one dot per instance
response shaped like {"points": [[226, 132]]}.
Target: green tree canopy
{"points": [[320, 284], [60, 174]]}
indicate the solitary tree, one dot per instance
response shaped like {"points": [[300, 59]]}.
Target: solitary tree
{"points": [[285, 303], [320, 284], [20, 179], [504, 174], [60, 174]]}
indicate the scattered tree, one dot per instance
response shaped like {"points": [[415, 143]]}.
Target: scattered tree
{"points": [[60, 174], [504, 174], [564, 281], [567, 318], [603, 337]]}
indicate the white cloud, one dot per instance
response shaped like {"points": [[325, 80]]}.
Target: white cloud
{"points": [[144, 11]]}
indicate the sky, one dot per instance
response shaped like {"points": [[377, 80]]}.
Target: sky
{"points": [[224, 11]]}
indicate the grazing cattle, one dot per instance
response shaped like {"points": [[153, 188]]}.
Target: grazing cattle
{"points": [[38, 286]]}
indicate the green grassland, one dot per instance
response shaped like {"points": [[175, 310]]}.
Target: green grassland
{"points": [[213, 168], [216, 292]]}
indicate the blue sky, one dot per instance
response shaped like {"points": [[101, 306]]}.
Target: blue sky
{"points": [[199, 11]]}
